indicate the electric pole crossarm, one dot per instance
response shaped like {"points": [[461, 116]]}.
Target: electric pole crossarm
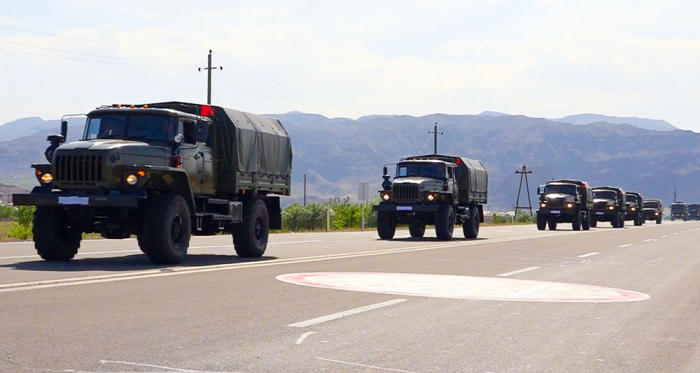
{"points": [[436, 133], [209, 69]]}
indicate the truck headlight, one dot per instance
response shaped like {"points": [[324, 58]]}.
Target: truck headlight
{"points": [[611, 207], [569, 205], [47, 178], [132, 179], [543, 205], [386, 196], [656, 213], [634, 209], [431, 197]]}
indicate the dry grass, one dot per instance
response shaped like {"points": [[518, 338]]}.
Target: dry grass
{"points": [[5, 228]]}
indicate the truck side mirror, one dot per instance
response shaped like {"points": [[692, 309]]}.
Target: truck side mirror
{"points": [[385, 170], [539, 191], [64, 129], [179, 138]]}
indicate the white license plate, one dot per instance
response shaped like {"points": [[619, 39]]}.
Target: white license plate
{"points": [[404, 208], [555, 212], [73, 200], [599, 213]]}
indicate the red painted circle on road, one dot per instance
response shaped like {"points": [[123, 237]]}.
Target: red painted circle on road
{"points": [[462, 287]]}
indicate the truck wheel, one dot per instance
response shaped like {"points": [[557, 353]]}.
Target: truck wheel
{"points": [[594, 221], [417, 230], [576, 221], [471, 227], [552, 222], [658, 220], [586, 223], [621, 224], [541, 221], [638, 220], [54, 238], [165, 235], [250, 236], [673, 218], [386, 224], [445, 222]]}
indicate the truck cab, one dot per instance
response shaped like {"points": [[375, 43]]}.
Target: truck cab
{"points": [[635, 212], [679, 210], [566, 201], [653, 210], [609, 204]]}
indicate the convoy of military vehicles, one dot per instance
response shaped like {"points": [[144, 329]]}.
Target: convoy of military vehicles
{"points": [[166, 171]]}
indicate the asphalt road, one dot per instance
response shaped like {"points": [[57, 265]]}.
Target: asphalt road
{"points": [[517, 299]]}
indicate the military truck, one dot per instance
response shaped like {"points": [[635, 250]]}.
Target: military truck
{"points": [[565, 201], [609, 204], [635, 212], [679, 210], [440, 190], [693, 211], [162, 171], [653, 210]]}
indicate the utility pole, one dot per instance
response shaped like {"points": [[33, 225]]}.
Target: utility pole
{"points": [[304, 189], [675, 195], [209, 69], [523, 175], [436, 133]]}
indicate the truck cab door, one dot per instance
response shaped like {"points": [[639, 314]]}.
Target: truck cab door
{"points": [[190, 152], [205, 163], [452, 184]]}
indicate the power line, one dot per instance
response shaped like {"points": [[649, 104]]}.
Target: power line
{"points": [[97, 55], [287, 87], [253, 92], [100, 41], [93, 61]]}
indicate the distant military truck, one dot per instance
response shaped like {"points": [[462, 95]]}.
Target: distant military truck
{"points": [[568, 201], [693, 211], [635, 212], [679, 210], [438, 190], [609, 204], [653, 210], [162, 171]]}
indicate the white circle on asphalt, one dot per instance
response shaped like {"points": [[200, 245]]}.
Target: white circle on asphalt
{"points": [[462, 287]]}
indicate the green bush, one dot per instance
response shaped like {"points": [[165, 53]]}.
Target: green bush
{"points": [[7, 212], [343, 215], [22, 228]]}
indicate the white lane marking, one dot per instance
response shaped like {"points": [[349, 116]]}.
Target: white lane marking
{"points": [[675, 234], [150, 366], [174, 271], [625, 245], [528, 269], [291, 242], [301, 339], [664, 236], [652, 261], [587, 255], [340, 315], [649, 240], [366, 366]]}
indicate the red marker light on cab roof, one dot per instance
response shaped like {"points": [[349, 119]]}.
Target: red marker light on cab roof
{"points": [[584, 185], [458, 160], [206, 111]]}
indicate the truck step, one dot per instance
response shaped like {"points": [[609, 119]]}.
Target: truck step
{"points": [[217, 201]]}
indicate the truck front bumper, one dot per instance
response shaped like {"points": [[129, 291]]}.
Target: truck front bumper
{"points": [[75, 199], [390, 207]]}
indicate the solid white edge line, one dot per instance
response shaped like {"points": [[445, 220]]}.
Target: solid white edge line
{"points": [[625, 245], [366, 366], [528, 269], [340, 315], [587, 255]]}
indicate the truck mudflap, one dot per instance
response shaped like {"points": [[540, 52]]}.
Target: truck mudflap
{"points": [[64, 199], [405, 208]]}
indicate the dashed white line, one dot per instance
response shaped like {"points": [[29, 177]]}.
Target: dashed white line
{"points": [[664, 236], [528, 269], [649, 240], [340, 315], [587, 255], [626, 245], [301, 339]]}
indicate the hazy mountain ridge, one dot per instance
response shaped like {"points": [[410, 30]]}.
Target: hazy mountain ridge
{"points": [[338, 153]]}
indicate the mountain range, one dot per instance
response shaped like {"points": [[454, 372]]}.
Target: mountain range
{"points": [[337, 153]]}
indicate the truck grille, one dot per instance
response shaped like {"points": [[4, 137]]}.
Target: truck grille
{"points": [[78, 169], [555, 203], [406, 193], [599, 206]]}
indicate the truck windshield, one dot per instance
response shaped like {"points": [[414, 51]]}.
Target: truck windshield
{"points": [[431, 170], [607, 194], [677, 208], [651, 205], [631, 198], [563, 189], [131, 127]]}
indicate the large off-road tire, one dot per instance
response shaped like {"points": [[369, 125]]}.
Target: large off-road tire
{"points": [[638, 220], [417, 230], [672, 218], [55, 238], [541, 221], [658, 220], [386, 224], [576, 221], [594, 221], [552, 222], [444, 222], [586, 223], [622, 220], [250, 236], [165, 234], [471, 227]]}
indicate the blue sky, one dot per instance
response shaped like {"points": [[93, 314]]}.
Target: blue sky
{"points": [[354, 58]]}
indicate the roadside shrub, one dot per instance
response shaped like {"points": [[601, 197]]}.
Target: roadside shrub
{"points": [[22, 228], [343, 215]]}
